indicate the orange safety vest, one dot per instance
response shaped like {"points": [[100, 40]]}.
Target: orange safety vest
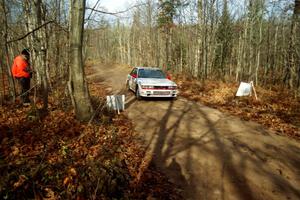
{"points": [[19, 67]]}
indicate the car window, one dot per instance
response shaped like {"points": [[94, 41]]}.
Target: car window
{"points": [[134, 71], [151, 73]]}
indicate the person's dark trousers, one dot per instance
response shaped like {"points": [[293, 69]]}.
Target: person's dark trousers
{"points": [[25, 85]]}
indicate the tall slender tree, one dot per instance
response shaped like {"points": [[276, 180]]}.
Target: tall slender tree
{"points": [[6, 50], [35, 11], [165, 22], [78, 86], [224, 37], [293, 65]]}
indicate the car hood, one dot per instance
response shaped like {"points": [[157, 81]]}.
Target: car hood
{"points": [[156, 81]]}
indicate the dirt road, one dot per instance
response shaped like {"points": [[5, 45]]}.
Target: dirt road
{"points": [[211, 155]]}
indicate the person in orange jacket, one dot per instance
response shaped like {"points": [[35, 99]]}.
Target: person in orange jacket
{"points": [[22, 72]]}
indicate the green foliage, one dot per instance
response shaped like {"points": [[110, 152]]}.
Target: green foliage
{"points": [[168, 10], [224, 37]]}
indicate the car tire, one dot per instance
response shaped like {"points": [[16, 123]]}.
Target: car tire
{"points": [[137, 93]]}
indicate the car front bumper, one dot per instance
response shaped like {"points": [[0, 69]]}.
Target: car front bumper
{"points": [[158, 93]]}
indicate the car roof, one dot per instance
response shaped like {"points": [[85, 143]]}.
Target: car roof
{"points": [[150, 68]]}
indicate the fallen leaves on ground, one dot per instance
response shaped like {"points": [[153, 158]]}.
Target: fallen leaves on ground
{"points": [[276, 108], [54, 156]]}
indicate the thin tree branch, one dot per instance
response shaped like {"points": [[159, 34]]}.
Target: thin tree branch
{"points": [[93, 8], [116, 13], [34, 30]]}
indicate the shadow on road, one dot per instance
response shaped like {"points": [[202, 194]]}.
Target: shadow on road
{"points": [[212, 163], [208, 154]]}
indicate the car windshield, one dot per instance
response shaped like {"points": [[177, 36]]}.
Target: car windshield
{"points": [[151, 73]]}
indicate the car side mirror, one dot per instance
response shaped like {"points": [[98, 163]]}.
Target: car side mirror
{"points": [[168, 77]]}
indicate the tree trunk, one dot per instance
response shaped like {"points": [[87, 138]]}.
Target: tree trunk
{"points": [[58, 71], [199, 36], [35, 11], [258, 55], [79, 89], [291, 71], [12, 89]]}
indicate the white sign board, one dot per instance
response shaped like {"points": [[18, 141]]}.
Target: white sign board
{"points": [[244, 89], [116, 102]]}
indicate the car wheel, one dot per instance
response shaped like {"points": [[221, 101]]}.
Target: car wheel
{"points": [[137, 93]]}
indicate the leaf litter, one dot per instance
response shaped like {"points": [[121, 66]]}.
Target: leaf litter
{"points": [[57, 157], [276, 108]]}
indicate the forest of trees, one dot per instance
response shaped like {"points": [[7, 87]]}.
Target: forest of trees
{"points": [[45, 27], [48, 151], [217, 39], [247, 40]]}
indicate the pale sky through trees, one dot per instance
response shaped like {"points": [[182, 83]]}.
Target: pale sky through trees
{"points": [[112, 5]]}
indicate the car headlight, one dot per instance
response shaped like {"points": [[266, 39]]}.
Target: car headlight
{"points": [[147, 86], [172, 87]]}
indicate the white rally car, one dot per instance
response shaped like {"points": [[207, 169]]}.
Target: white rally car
{"points": [[150, 82]]}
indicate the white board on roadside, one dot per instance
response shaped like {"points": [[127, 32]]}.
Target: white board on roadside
{"points": [[244, 89], [115, 102]]}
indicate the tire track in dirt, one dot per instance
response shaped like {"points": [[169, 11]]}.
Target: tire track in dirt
{"points": [[211, 155]]}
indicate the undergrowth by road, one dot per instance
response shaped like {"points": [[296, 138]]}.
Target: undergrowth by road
{"points": [[275, 108], [53, 156]]}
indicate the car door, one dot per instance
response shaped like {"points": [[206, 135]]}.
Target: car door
{"points": [[132, 78]]}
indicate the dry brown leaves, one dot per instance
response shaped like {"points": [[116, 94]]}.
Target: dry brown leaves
{"points": [[276, 108], [56, 157]]}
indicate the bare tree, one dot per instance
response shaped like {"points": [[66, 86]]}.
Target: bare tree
{"points": [[35, 11], [7, 56], [293, 68], [229, 40], [78, 86]]}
